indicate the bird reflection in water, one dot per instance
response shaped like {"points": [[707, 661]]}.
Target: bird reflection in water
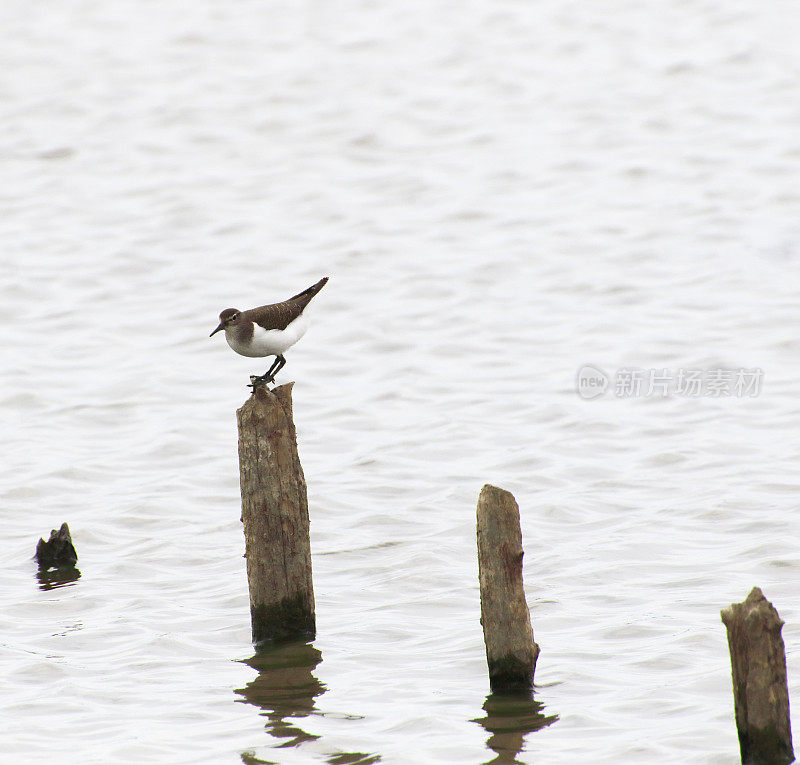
{"points": [[508, 720], [284, 690]]}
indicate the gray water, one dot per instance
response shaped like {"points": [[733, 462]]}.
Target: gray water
{"points": [[502, 193]]}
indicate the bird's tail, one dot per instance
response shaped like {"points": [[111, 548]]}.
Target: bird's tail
{"points": [[306, 295]]}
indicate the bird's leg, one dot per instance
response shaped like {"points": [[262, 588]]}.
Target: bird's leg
{"points": [[269, 375], [279, 364]]}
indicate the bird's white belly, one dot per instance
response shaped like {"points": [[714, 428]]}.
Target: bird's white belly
{"points": [[269, 342]]}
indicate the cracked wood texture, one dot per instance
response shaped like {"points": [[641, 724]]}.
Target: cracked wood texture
{"points": [[510, 651], [760, 693], [275, 518]]}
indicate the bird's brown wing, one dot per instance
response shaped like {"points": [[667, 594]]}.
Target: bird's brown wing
{"points": [[275, 316], [281, 315]]}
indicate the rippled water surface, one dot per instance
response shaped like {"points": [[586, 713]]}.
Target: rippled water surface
{"points": [[501, 194]]}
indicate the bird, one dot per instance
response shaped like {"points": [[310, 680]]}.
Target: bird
{"points": [[269, 330]]}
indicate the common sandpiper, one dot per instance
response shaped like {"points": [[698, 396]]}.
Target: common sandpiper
{"points": [[269, 330]]}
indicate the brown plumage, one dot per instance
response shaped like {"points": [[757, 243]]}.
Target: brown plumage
{"points": [[281, 315], [272, 316]]}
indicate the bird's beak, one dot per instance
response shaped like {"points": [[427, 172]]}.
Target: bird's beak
{"points": [[221, 326]]}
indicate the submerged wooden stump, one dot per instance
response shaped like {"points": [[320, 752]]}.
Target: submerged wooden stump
{"points": [[507, 632], [275, 517], [58, 551], [760, 693]]}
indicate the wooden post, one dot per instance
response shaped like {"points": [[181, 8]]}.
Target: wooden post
{"points": [[760, 693], [58, 551], [275, 517], [507, 632]]}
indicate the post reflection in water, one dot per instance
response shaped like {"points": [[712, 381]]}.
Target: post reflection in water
{"points": [[509, 719], [285, 689], [57, 577]]}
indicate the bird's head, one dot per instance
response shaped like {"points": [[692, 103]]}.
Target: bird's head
{"points": [[230, 317]]}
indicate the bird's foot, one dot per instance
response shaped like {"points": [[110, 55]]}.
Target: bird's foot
{"points": [[261, 380]]}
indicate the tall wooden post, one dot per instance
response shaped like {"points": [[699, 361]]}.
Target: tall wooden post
{"points": [[760, 693], [275, 517], [507, 632]]}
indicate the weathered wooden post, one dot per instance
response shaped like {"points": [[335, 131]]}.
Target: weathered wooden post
{"points": [[760, 693], [58, 551], [507, 632], [275, 517]]}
